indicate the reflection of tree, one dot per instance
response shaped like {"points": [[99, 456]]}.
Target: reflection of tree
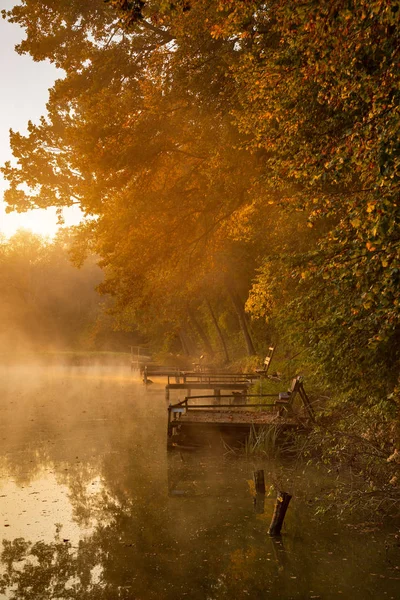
{"points": [[82, 442], [145, 544], [49, 570], [142, 547]]}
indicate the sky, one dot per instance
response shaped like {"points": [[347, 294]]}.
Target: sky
{"points": [[23, 96]]}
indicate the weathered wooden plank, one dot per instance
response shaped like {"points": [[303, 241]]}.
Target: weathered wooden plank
{"points": [[216, 387], [229, 418], [197, 385]]}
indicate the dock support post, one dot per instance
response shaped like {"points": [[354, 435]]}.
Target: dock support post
{"points": [[169, 428], [259, 482], [259, 485], [281, 506], [167, 392], [145, 376]]}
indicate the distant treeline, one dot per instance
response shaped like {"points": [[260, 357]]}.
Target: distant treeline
{"points": [[47, 304]]}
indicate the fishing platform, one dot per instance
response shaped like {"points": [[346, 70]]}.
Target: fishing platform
{"points": [[201, 380], [218, 382], [206, 378], [238, 412]]}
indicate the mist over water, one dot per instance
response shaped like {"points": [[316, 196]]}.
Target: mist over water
{"points": [[93, 506]]}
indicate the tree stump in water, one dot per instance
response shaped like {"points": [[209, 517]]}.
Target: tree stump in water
{"points": [[281, 506]]}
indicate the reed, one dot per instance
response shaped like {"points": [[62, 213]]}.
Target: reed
{"points": [[263, 440]]}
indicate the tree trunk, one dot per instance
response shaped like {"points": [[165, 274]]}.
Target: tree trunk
{"points": [[218, 329], [242, 321], [202, 334], [183, 343], [187, 342]]}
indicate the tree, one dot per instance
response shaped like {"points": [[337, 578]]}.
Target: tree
{"points": [[128, 140], [185, 127]]}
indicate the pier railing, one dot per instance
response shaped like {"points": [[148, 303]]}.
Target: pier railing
{"points": [[181, 376], [241, 401], [217, 403], [193, 377]]}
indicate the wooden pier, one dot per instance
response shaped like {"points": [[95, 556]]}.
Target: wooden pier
{"points": [[237, 411], [200, 381]]}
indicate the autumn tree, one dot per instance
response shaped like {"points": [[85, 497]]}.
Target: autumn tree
{"points": [[189, 128], [324, 107], [156, 161]]}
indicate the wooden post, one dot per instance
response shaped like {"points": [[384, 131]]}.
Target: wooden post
{"points": [[169, 426], [281, 506], [170, 429], [145, 376], [238, 397], [259, 482], [167, 392]]}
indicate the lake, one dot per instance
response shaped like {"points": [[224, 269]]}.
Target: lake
{"points": [[92, 506]]}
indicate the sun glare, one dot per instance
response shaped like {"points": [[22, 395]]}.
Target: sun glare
{"points": [[43, 222], [24, 79]]}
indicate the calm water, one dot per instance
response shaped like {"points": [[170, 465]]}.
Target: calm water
{"points": [[93, 507]]}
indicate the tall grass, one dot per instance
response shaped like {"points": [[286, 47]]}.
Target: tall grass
{"points": [[263, 440]]}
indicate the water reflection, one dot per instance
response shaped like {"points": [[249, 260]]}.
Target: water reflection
{"points": [[116, 517]]}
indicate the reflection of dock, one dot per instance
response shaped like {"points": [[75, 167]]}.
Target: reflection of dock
{"points": [[236, 412]]}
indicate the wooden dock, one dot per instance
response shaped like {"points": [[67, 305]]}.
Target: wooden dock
{"points": [[192, 422], [239, 385], [199, 380], [191, 380], [237, 411]]}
